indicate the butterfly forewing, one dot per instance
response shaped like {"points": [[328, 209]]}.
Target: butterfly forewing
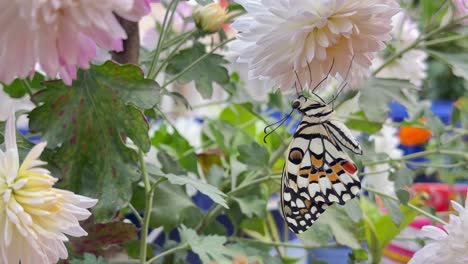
{"points": [[317, 172]]}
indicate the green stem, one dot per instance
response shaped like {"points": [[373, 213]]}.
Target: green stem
{"points": [[165, 27], [444, 40], [416, 43], [148, 205], [135, 212], [166, 61], [420, 154], [28, 88], [193, 64], [168, 252], [415, 208], [281, 244]]}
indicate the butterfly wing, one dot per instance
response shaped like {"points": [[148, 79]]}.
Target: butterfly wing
{"points": [[317, 173]]}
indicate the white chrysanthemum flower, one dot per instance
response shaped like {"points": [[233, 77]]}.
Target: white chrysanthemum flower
{"points": [[385, 142], [412, 65], [60, 35], [34, 216], [279, 38], [449, 245]]}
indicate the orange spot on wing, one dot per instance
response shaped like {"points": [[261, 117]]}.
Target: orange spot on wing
{"points": [[318, 163]]}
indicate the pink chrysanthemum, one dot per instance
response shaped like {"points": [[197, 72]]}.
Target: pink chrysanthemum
{"points": [[279, 38], [59, 35]]}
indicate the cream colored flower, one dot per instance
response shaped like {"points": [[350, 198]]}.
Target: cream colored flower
{"points": [[210, 18], [412, 64], [448, 245], [279, 38], [35, 217]]}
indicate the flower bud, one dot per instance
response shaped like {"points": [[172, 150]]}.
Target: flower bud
{"points": [[210, 18]]}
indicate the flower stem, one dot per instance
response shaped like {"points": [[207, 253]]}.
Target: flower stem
{"points": [[135, 212], [420, 154], [168, 252], [416, 43], [415, 208], [193, 64], [148, 206], [281, 244], [165, 27]]}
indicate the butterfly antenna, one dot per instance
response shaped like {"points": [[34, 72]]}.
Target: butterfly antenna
{"points": [[310, 74], [299, 81], [344, 83], [281, 122], [326, 77]]}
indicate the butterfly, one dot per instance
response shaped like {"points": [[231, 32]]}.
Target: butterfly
{"points": [[317, 172]]}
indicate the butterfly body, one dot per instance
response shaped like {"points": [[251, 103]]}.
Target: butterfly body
{"points": [[317, 172]]}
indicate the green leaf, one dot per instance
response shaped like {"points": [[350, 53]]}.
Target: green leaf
{"points": [[376, 94], [429, 8], [403, 177], [216, 195], [342, 228], [393, 209], [359, 122], [171, 207], [251, 205], [206, 71], [169, 164], [457, 61], [253, 155], [204, 2], [358, 256], [103, 238], [17, 90], [177, 146], [89, 259], [208, 248], [86, 125], [353, 210], [403, 196]]}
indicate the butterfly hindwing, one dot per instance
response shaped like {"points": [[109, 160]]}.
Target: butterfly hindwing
{"points": [[317, 173]]}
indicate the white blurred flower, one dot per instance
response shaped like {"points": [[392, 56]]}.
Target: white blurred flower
{"points": [[60, 35], [10, 105], [279, 38], [412, 65], [385, 142], [35, 217], [448, 245]]}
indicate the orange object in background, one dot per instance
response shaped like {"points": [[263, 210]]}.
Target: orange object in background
{"points": [[411, 136]]}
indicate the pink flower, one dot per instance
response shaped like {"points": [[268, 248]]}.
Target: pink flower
{"points": [[60, 35], [462, 9]]}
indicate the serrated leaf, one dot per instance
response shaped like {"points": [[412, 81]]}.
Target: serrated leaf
{"points": [[376, 94], [86, 125], [359, 122], [207, 71], [103, 239], [456, 61], [208, 248], [251, 205], [393, 209], [216, 195], [89, 259], [253, 155]]}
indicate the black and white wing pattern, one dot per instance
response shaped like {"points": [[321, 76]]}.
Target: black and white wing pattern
{"points": [[317, 172]]}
